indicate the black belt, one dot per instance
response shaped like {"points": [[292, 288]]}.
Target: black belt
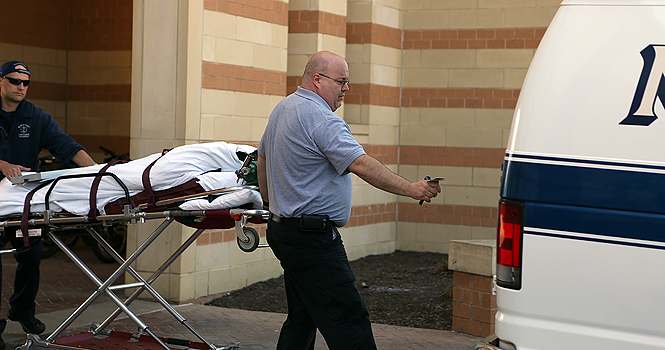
{"points": [[285, 221], [296, 221]]}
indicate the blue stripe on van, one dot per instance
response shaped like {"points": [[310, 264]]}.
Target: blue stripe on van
{"points": [[585, 185], [593, 224], [586, 162]]}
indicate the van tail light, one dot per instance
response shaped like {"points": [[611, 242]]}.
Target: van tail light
{"points": [[509, 244]]}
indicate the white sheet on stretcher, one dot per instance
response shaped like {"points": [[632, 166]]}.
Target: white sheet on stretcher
{"points": [[175, 168]]}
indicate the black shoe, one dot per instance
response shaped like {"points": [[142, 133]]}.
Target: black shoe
{"points": [[33, 325]]}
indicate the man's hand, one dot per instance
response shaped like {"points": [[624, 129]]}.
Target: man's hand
{"points": [[424, 190], [11, 170]]}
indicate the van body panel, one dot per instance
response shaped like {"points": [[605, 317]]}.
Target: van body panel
{"points": [[608, 302], [586, 157], [581, 83]]}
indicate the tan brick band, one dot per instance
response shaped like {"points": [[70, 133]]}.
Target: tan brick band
{"points": [[272, 11], [221, 76], [452, 156], [474, 306], [372, 33], [317, 22], [500, 38]]}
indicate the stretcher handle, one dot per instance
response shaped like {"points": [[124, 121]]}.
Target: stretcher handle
{"points": [[114, 176]]}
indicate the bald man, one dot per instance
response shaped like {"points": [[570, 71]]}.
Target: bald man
{"points": [[306, 157]]}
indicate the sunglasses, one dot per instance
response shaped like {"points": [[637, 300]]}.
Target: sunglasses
{"points": [[17, 82]]}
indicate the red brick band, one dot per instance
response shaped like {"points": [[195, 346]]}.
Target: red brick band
{"points": [[317, 22], [460, 98], [500, 38], [448, 214], [391, 212], [373, 94], [272, 11], [105, 93], [493, 38], [72, 92], [452, 156], [221, 76], [47, 91], [382, 95], [372, 33], [100, 25]]}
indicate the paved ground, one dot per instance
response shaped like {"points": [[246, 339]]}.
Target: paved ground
{"points": [[64, 287]]}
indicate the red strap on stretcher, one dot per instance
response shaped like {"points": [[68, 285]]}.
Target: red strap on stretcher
{"points": [[147, 187], [26, 212], [92, 214]]}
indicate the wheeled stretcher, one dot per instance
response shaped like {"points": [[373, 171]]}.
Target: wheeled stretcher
{"points": [[189, 202]]}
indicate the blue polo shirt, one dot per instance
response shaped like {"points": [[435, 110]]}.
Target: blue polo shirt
{"points": [[308, 150], [26, 131]]}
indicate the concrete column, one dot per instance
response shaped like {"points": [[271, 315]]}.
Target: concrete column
{"points": [[165, 113]]}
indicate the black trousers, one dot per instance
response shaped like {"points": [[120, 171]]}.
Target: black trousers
{"points": [[26, 281], [319, 291]]}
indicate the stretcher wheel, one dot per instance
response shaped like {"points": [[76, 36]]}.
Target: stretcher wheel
{"points": [[252, 241]]}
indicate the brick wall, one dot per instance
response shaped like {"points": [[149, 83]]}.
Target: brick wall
{"points": [[79, 53], [474, 306]]}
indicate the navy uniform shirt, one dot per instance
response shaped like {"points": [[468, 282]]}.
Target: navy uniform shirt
{"points": [[27, 131]]}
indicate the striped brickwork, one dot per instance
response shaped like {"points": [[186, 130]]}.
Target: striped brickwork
{"points": [[243, 69], [434, 85], [79, 56], [313, 26]]}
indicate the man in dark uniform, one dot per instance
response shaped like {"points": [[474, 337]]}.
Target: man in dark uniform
{"points": [[24, 131]]}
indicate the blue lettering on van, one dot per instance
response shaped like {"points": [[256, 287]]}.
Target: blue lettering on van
{"points": [[650, 86]]}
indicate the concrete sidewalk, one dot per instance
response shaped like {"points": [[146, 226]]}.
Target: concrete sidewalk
{"points": [[220, 326], [64, 287]]}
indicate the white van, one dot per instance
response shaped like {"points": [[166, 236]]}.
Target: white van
{"points": [[581, 239]]}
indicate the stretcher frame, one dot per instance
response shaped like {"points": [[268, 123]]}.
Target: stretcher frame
{"points": [[247, 239]]}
